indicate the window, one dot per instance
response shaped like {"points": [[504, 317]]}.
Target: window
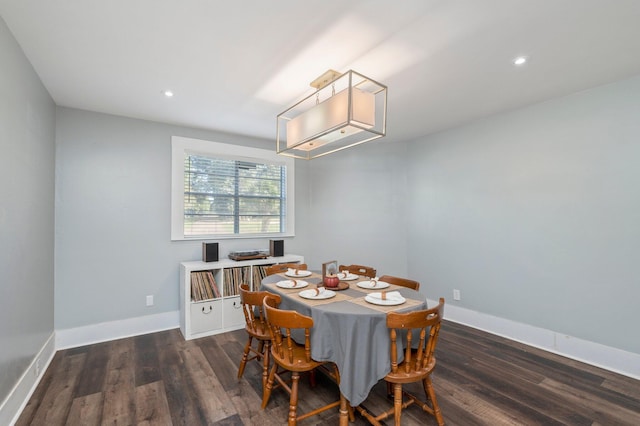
{"points": [[229, 191]]}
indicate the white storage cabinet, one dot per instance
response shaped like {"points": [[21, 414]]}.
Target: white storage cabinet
{"points": [[220, 314]]}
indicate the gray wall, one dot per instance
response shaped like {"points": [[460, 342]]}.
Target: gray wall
{"points": [[27, 129], [358, 203], [113, 244], [534, 215]]}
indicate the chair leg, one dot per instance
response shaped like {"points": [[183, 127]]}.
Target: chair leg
{"points": [[346, 413], [312, 379], [431, 394], [266, 391], [293, 399], [265, 362], [397, 403], [245, 355]]}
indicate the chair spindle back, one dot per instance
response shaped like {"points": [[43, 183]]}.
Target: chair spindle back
{"points": [[283, 267], [281, 323], [252, 303], [366, 271], [422, 325]]}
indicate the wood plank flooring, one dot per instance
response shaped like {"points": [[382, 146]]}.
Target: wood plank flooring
{"points": [[161, 379]]}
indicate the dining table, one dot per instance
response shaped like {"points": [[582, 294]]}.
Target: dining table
{"points": [[348, 329]]}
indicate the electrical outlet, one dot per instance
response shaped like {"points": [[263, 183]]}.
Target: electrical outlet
{"points": [[150, 300], [456, 294]]}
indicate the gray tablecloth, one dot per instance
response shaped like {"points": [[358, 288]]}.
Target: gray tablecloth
{"points": [[353, 336]]}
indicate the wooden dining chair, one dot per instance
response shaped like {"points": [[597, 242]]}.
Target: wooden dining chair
{"points": [[256, 328], [404, 282], [366, 271], [283, 267], [293, 357], [418, 364]]}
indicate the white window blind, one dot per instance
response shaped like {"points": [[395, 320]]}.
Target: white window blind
{"points": [[227, 196]]}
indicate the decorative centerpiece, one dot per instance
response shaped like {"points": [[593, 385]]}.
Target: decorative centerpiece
{"points": [[331, 281]]}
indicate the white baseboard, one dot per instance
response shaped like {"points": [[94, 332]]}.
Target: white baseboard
{"points": [[17, 399], [102, 332], [609, 358]]}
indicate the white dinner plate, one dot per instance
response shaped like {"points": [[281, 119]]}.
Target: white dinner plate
{"points": [[368, 285], [397, 300], [347, 276], [311, 294], [292, 284], [300, 274]]}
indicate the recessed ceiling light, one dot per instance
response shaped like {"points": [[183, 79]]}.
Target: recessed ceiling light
{"points": [[520, 60], [167, 93]]}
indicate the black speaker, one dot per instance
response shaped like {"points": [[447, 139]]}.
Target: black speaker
{"points": [[209, 252], [276, 248]]}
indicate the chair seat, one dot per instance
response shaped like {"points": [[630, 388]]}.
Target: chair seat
{"points": [[299, 363], [261, 330], [401, 376]]}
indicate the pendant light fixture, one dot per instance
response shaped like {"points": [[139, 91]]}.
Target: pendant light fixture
{"points": [[346, 110]]}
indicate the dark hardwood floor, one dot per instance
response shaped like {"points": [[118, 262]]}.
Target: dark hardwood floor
{"points": [[160, 379]]}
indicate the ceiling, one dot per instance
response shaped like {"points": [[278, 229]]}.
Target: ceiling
{"points": [[233, 66]]}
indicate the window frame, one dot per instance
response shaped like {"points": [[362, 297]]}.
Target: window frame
{"points": [[181, 146]]}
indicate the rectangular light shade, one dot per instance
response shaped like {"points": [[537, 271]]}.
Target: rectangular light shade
{"points": [[349, 117], [332, 114]]}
